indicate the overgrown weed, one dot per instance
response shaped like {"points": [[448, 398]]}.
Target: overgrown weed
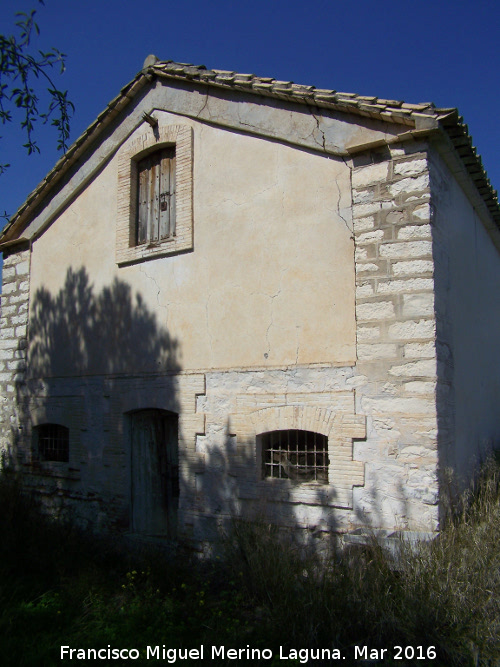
{"points": [[59, 586]]}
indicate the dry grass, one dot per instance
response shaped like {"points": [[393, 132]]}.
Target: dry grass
{"points": [[445, 593], [57, 586]]}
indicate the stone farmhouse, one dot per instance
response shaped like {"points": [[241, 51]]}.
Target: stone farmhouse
{"points": [[241, 296]]}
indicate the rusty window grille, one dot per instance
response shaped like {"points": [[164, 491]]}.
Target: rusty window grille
{"points": [[301, 456], [53, 442], [156, 197]]}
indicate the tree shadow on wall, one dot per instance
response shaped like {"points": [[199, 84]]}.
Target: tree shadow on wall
{"points": [[233, 499], [78, 332], [92, 356]]}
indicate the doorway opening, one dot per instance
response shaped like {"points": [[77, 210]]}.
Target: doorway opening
{"points": [[154, 473]]}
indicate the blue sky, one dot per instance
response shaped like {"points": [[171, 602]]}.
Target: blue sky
{"points": [[441, 51]]}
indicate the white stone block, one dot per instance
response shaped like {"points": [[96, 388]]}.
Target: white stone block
{"points": [[367, 333], [370, 174], [401, 286], [16, 365], [366, 289], [21, 331], [396, 152], [360, 254], [406, 249], [363, 196], [6, 335], [420, 350], [423, 368], [420, 387], [421, 196], [379, 310], [392, 404], [411, 330], [411, 168], [414, 232], [413, 452], [23, 268], [409, 185], [367, 352], [8, 288], [366, 267], [412, 267], [364, 224], [360, 210], [418, 305], [357, 381], [422, 212], [370, 237], [19, 319]]}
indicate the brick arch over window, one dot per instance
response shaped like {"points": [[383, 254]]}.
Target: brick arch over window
{"points": [[308, 418]]}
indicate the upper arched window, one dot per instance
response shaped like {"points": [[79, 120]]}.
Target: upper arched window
{"points": [[301, 456], [52, 442], [155, 194]]}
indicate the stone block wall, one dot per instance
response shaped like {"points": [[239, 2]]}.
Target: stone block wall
{"points": [[396, 336], [13, 345], [241, 405]]}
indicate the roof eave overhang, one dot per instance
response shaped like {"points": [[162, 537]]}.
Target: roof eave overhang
{"points": [[12, 233]]}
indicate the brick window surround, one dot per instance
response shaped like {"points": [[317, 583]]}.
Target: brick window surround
{"points": [[135, 150]]}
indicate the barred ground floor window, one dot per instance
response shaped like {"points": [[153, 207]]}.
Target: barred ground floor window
{"points": [[52, 442], [301, 456]]}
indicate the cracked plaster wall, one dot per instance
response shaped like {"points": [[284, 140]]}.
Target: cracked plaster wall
{"points": [[270, 281]]}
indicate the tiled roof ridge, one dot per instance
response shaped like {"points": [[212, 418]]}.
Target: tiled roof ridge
{"points": [[395, 111], [389, 110]]}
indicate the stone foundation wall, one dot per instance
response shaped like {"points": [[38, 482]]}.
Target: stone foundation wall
{"points": [[238, 407]]}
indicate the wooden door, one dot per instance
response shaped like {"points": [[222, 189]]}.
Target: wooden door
{"points": [[155, 473]]}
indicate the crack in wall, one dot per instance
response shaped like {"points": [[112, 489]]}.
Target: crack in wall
{"points": [[323, 142], [205, 106], [350, 229], [164, 307], [297, 338], [208, 324], [272, 297]]}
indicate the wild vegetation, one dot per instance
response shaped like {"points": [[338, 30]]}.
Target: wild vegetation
{"points": [[61, 588]]}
